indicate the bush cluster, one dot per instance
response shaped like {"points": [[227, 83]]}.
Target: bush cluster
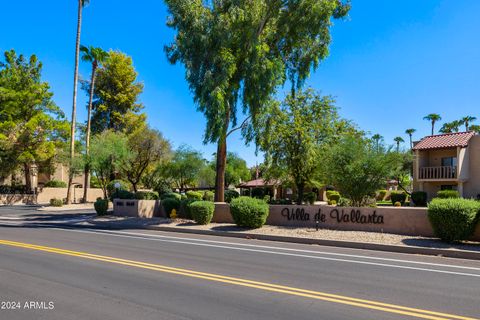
{"points": [[55, 202], [169, 204], [209, 196], [230, 195], [249, 212], [55, 184], [185, 211], [453, 219], [194, 195], [333, 195], [202, 211], [171, 195], [101, 206], [258, 193], [419, 198], [124, 185], [146, 195], [122, 194], [448, 194], [398, 196], [381, 194], [310, 197], [19, 188], [344, 202]]}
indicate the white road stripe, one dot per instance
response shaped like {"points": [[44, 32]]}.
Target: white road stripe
{"points": [[127, 235]]}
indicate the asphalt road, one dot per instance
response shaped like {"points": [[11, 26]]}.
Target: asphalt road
{"points": [[61, 273]]}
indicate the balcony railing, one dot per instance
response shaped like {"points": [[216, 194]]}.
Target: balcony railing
{"points": [[438, 173]]}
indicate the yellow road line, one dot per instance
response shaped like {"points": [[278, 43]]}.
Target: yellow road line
{"points": [[391, 308]]}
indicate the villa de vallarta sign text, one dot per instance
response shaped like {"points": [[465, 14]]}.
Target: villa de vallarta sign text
{"points": [[339, 215]]}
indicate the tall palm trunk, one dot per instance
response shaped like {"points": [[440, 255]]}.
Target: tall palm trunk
{"points": [[74, 107], [86, 183], [433, 127]]}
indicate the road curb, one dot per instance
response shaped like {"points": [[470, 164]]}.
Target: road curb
{"points": [[459, 254]]}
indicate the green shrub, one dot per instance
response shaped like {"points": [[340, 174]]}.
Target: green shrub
{"points": [[397, 204], [230, 195], [333, 195], [101, 206], [146, 195], [169, 204], [122, 194], [55, 184], [332, 202], [310, 197], [267, 198], [453, 219], [171, 195], [381, 194], [344, 202], [162, 188], [398, 196], [55, 202], [209, 196], [258, 193], [448, 194], [124, 185], [249, 212], [419, 198], [194, 195], [185, 211], [202, 211]]}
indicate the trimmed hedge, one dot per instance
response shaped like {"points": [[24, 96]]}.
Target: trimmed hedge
{"points": [[146, 195], [101, 206], [171, 195], [55, 202], [185, 211], [448, 194], [230, 195], [122, 194], [202, 211], [249, 212], [453, 219], [398, 196], [169, 204], [333, 195], [209, 196], [194, 195], [55, 184], [419, 198]]}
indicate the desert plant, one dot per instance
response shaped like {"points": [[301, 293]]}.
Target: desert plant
{"points": [[453, 219], [169, 204], [344, 202], [230, 195], [194, 195], [55, 202], [419, 198], [209, 196], [448, 194], [146, 195], [55, 184], [101, 206], [398, 196], [202, 211], [249, 212]]}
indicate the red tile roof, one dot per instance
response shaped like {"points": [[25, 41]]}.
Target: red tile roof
{"points": [[258, 183], [443, 141]]}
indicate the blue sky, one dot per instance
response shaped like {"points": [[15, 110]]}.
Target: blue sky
{"points": [[390, 63]]}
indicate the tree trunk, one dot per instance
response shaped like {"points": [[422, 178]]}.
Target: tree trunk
{"points": [[74, 107], [28, 177], [221, 164], [86, 183], [433, 127], [300, 189]]}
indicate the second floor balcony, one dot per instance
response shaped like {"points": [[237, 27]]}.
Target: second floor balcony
{"points": [[438, 173]]}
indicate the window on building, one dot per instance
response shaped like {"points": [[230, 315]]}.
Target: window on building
{"points": [[448, 187], [449, 162]]}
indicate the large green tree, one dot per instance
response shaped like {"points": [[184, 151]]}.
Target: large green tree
{"points": [[297, 133], [94, 56], [147, 147], [182, 171], [32, 127], [237, 52], [81, 4], [115, 104]]}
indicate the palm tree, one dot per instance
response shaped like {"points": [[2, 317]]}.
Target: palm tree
{"points": [[447, 128], [433, 117], [376, 138], [398, 140], [475, 128], [467, 120], [410, 132], [95, 56], [81, 4]]}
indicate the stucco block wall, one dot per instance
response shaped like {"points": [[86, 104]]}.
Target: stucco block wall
{"points": [[49, 193], [471, 188], [138, 208]]}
